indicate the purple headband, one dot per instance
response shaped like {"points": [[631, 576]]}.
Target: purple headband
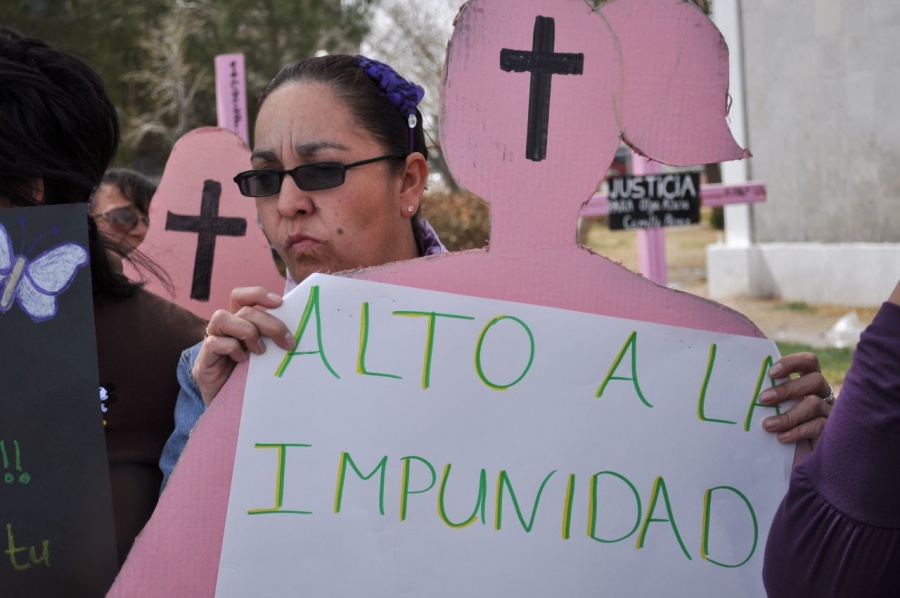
{"points": [[400, 92]]}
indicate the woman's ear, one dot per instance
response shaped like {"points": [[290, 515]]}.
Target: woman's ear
{"points": [[412, 184]]}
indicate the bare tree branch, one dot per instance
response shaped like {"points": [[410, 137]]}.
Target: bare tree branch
{"points": [[169, 79]]}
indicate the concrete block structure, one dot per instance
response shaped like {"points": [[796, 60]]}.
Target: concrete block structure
{"points": [[815, 89]]}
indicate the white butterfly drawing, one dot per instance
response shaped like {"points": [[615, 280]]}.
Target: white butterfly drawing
{"points": [[35, 283]]}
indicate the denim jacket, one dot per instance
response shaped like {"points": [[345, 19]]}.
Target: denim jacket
{"points": [[188, 408]]}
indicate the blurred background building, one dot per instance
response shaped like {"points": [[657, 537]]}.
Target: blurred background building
{"points": [[815, 85]]}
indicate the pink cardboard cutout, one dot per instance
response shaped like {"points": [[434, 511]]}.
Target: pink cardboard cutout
{"points": [[533, 256], [674, 106], [204, 233]]}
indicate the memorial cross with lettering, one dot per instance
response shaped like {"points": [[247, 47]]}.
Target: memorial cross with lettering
{"points": [[208, 225], [231, 94], [542, 63], [651, 242]]}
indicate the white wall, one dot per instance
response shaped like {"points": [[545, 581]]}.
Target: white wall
{"points": [[821, 81], [822, 85], [851, 274]]}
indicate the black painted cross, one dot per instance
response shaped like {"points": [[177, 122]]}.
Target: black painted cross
{"points": [[208, 225], [542, 63]]}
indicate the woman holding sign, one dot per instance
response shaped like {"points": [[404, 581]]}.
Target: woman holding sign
{"points": [[837, 532], [58, 134], [339, 169]]}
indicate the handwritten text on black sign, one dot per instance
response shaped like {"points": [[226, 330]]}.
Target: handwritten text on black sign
{"points": [[654, 200]]}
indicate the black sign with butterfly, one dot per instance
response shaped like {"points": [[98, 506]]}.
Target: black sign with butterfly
{"points": [[55, 507]]}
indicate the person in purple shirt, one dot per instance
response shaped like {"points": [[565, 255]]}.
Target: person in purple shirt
{"points": [[837, 531]]}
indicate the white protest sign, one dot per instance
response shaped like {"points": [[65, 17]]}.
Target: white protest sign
{"points": [[419, 443]]}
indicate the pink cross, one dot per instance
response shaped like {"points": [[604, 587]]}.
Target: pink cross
{"points": [[652, 242], [231, 95]]}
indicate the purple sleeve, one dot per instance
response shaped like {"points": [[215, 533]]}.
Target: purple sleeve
{"points": [[837, 531]]}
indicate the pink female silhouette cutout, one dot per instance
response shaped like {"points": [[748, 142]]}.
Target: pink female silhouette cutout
{"points": [[654, 72], [204, 233]]}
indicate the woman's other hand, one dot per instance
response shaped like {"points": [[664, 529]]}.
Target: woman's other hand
{"points": [[235, 333], [814, 396]]}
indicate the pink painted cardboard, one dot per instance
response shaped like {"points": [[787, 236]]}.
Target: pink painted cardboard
{"points": [[204, 162], [672, 94], [629, 55]]}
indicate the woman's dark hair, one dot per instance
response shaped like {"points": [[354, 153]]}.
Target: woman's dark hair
{"points": [[58, 128], [366, 100], [133, 185]]}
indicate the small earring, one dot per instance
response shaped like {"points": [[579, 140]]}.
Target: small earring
{"points": [[409, 208]]}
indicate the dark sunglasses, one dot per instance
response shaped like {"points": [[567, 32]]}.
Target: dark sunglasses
{"points": [[308, 177], [124, 219]]}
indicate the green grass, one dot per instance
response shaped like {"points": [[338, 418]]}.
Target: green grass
{"points": [[834, 362], [796, 306]]}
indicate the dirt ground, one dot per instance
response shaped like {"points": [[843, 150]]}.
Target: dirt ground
{"points": [[686, 257]]}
